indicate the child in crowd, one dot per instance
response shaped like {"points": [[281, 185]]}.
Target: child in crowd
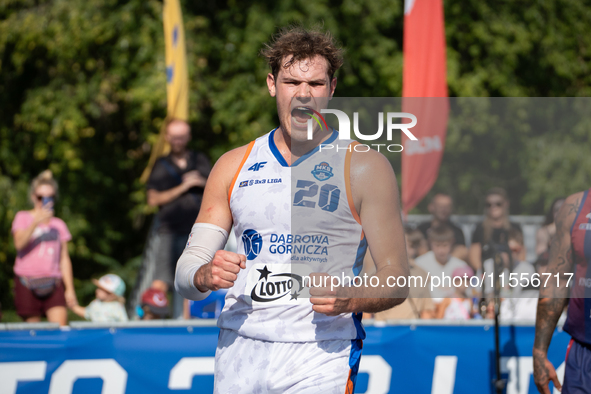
{"points": [[439, 262], [459, 306], [154, 305], [109, 303], [416, 244]]}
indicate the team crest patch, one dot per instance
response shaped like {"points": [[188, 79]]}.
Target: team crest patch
{"points": [[243, 183], [253, 243], [322, 171]]}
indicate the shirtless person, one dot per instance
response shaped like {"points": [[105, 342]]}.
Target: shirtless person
{"points": [[569, 254]]}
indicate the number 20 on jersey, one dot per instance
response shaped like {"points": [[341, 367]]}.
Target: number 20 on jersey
{"points": [[328, 200]]}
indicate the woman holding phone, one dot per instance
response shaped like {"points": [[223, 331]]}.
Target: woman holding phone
{"points": [[44, 283], [493, 231]]}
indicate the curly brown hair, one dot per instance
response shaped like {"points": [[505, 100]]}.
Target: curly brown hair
{"points": [[302, 44]]}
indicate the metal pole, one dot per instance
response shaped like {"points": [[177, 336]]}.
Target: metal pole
{"points": [[497, 270]]}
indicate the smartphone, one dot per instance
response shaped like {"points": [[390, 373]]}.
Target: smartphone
{"points": [[47, 201]]}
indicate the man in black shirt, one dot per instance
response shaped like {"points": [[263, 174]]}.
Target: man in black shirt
{"points": [[440, 207], [176, 186]]}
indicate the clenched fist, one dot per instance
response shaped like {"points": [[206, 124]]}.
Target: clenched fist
{"points": [[221, 272], [323, 296]]}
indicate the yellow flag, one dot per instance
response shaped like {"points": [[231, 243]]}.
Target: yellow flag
{"points": [[177, 79]]}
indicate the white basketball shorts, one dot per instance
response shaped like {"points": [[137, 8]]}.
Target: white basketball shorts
{"points": [[245, 365]]}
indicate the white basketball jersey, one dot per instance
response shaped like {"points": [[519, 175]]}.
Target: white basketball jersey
{"points": [[289, 222]]}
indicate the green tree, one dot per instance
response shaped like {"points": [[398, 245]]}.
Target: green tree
{"points": [[82, 91]]}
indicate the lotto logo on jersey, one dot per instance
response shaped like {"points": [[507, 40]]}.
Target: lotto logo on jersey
{"points": [[322, 171], [276, 284], [253, 243]]}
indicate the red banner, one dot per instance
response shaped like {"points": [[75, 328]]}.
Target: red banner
{"points": [[424, 75]]}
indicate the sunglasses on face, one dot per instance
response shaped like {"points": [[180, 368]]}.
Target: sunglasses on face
{"points": [[179, 139], [497, 204], [40, 198]]}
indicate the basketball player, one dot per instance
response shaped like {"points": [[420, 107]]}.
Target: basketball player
{"points": [[570, 252], [293, 204]]}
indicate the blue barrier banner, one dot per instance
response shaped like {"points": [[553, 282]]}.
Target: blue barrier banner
{"points": [[138, 360]]}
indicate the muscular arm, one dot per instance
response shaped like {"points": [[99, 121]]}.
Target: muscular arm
{"points": [[375, 196], [215, 209], [375, 193], [554, 296]]}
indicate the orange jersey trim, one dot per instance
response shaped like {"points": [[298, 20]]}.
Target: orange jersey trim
{"points": [[348, 182], [350, 387], [239, 169]]}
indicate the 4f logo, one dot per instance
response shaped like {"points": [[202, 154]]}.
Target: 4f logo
{"points": [[257, 166]]}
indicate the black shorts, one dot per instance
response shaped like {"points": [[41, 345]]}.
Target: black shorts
{"points": [[577, 371]]}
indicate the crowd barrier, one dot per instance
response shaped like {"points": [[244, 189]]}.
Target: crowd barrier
{"points": [[178, 357]]}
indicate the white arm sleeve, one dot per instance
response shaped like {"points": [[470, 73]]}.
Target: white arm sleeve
{"points": [[204, 241]]}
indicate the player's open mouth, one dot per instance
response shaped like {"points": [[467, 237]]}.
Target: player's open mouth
{"points": [[301, 114]]}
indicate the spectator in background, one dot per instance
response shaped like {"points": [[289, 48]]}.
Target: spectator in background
{"points": [[519, 301], [44, 282], [459, 305], [418, 304], [176, 186], [417, 242], [154, 305], [441, 207], [493, 231], [108, 306], [439, 261], [547, 231]]}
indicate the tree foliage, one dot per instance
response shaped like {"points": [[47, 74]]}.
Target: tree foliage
{"points": [[82, 92]]}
